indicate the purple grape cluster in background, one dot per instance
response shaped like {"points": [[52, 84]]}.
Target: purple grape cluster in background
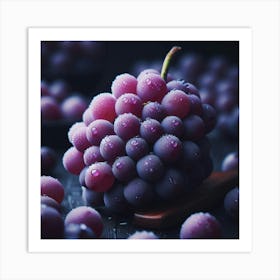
{"points": [[126, 139]]}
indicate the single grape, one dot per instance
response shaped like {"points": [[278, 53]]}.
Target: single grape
{"points": [[92, 155], [99, 177], [111, 147], [136, 148], [196, 107], [129, 103], [72, 129], [79, 139], [208, 81], [147, 71], [50, 202], [171, 185], [87, 116], [209, 117], [85, 215], [124, 83], [82, 176], [231, 203], [201, 226], [73, 107], [173, 125], [150, 168], [230, 162], [92, 198], [97, 130], [52, 187], [124, 169], [73, 161], [127, 126], [153, 110], [114, 199], [177, 103], [191, 153], [143, 235], [59, 89], [139, 193], [151, 130], [168, 148], [48, 159], [177, 85], [50, 110], [225, 102], [208, 96], [194, 128], [103, 107], [78, 231], [151, 87], [52, 226]]}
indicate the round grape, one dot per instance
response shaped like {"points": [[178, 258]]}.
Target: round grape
{"points": [[52, 187], [59, 89], [73, 161], [129, 103], [124, 169], [191, 153], [230, 162], [48, 159], [124, 83], [92, 198], [195, 105], [136, 148], [151, 130], [73, 107], [201, 226], [50, 110], [72, 129], [87, 116], [173, 125], [150, 168], [85, 215], [79, 139], [111, 147], [231, 203], [153, 110], [99, 177], [50, 202], [194, 127], [92, 155]]}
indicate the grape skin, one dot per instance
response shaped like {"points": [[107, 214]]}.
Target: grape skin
{"points": [[73, 161], [85, 215], [73, 107], [194, 127], [168, 148], [129, 103], [99, 177], [92, 155], [50, 202], [201, 226], [231, 162], [136, 148], [50, 109], [124, 169], [151, 130], [150, 168], [191, 153], [124, 83], [173, 125], [72, 129], [79, 139], [231, 203], [127, 126], [48, 159], [111, 147], [153, 110], [52, 187], [92, 198]]}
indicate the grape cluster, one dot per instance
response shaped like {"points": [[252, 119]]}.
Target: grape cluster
{"points": [[143, 142], [59, 103]]}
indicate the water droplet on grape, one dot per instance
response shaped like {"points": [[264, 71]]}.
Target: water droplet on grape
{"points": [[94, 131], [95, 173], [119, 165], [148, 81]]}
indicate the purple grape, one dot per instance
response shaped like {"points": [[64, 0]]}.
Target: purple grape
{"points": [[59, 89], [73, 128], [114, 199], [147, 71], [50, 202], [73, 161], [50, 110], [173, 125], [171, 185], [48, 159], [129, 103], [52, 187], [191, 153], [82, 176], [52, 226], [78, 231], [87, 116], [79, 139], [85, 215], [225, 102], [151, 130], [143, 235], [151, 87], [127, 126], [150, 168], [153, 110], [136, 148], [177, 103], [208, 96], [92, 198], [201, 226], [208, 80], [195, 105], [97, 130], [209, 117], [168, 148], [231, 203], [139, 193], [60, 63], [103, 107], [230, 162], [73, 107], [111, 147], [124, 169], [177, 85], [124, 83], [92, 155], [194, 128], [99, 177]]}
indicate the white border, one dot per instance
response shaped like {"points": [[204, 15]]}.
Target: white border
{"points": [[243, 35]]}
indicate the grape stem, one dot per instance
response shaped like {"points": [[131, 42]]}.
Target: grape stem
{"points": [[166, 62]]}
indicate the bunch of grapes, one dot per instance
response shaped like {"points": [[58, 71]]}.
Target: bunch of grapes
{"points": [[143, 143], [58, 103]]}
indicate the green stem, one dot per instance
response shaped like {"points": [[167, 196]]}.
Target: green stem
{"points": [[166, 62]]}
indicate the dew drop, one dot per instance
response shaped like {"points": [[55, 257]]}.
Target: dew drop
{"points": [[95, 173], [119, 165]]}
